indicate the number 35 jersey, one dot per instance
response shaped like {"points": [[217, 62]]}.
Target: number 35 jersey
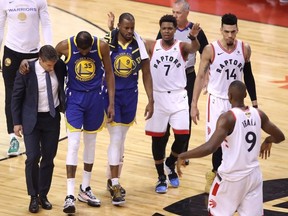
{"points": [[241, 148], [85, 73], [167, 67], [225, 68]]}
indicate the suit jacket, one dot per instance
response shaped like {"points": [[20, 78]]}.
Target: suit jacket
{"points": [[24, 104]]}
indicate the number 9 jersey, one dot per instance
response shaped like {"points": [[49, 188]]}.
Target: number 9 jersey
{"points": [[241, 148]]}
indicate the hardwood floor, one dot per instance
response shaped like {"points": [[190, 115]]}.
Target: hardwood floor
{"points": [[269, 56]]}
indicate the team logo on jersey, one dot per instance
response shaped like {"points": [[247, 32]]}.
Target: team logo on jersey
{"points": [[7, 62], [248, 114], [124, 65], [22, 16], [85, 69]]}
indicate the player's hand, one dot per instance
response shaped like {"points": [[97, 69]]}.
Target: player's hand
{"points": [[265, 149], [24, 67], [18, 130], [111, 19], [180, 162], [110, 114], [149, 110], [195, 114], [195, 29]]}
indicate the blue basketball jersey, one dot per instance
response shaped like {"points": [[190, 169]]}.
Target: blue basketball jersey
{"points": [[85, 73]]}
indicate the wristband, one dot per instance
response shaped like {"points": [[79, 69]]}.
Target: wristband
{"points": [[191, 37]]}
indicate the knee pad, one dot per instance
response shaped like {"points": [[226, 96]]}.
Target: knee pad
{"points": [[89, 147], [116, 146], [158, 148], [73, 147], [180, 143]]}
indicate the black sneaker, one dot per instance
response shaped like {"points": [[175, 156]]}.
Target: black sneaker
{"points": [[172, 175], [109, 188], [116, 195]]}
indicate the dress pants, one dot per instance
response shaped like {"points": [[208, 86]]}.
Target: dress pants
{"points": [[41, 146]]}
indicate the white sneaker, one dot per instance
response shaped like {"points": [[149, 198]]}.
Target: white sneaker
{"points": [[88, 197], [69, 205]]}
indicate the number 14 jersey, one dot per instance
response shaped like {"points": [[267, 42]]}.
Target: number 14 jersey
{"points": [[225, 68]]}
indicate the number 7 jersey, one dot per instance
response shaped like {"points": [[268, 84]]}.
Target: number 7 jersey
{"points": [[241, 148], [167, 67], [225, 68]]}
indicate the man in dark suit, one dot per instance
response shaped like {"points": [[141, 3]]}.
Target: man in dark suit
{"points": [[39, 122]]}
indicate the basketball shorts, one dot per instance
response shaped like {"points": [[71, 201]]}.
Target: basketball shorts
{"points": [[169, 107], [244, 196], [84, 110], [214, 108], [125, 106]]}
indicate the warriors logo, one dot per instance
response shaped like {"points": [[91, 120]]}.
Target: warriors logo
{"points": [[124, 65], [22, 16], [85, 69]]}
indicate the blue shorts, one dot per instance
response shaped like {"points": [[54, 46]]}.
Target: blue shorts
{"points": [[84, 110], [125, 106]]}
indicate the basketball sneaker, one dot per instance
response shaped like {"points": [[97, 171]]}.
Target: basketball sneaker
{"points": [[210, 176], [161, 185], [69, 205], [172, 175], [109, 188], [88, 197], [116, 195], [14, 147]]}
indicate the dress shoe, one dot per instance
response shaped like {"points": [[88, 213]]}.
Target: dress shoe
{"points": [[43, 201], [34, 205]]}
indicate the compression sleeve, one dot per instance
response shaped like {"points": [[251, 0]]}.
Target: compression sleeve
{"points": [[249, 81]]}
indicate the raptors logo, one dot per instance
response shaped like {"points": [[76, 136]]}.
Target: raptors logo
{"points": [[212, 203]]}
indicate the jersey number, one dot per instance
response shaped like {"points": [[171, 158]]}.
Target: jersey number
{"points": [[230, 74], [250, 139], [167, 70]]}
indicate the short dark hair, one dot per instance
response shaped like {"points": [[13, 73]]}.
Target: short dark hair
{"points": [[84, 40], [229, 19], [127, 16], [48, 53], [168, 18]]}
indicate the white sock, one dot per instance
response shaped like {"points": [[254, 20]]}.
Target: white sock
{"points": [[115, 181], [70, 186], [86, 179]]}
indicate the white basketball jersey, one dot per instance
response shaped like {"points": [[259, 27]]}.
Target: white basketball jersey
{"points": [[225, 68], [167, 67], [242, 147]]}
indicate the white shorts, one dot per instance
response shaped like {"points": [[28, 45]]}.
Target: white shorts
{"points": [[215, 107], [169, 107], [244, 196]]}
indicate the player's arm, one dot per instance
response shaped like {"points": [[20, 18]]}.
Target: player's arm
{"points": [[111, 20], [224, 126], [62, 48], [200, 81], [110, 79], [148, 85], [194, 45], [248, 76], [275, 135]]}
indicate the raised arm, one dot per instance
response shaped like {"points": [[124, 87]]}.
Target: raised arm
{"points": [[194, 45], [200, 81]]}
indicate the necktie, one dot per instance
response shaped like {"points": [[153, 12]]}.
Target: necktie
{"points": [[50, 95]]}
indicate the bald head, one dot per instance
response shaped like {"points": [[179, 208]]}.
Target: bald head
{"points": [[237, 92], [84, 40]]}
